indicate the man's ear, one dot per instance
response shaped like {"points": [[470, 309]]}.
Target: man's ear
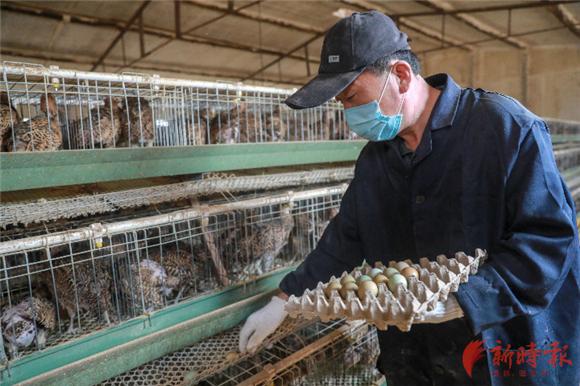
{"points": [[404, 74]]}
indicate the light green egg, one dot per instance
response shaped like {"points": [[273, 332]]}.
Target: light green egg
{"points": [[397, 280], [375, 271], [362, 278], [391, 271]]}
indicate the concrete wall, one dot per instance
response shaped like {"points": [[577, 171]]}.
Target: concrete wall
{"points": [[546, 80]]}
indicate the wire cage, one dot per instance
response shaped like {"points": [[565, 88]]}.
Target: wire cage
{"points": [[52, 109], [30, 211], [62, 285], [320, 354], [300, 352]]}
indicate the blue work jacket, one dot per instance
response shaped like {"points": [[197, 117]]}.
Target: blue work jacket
{"points": [[483, 176]]}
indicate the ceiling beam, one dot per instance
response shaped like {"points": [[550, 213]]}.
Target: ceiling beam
{"points": [[485, 40], [566, 17], [493, 8], [471, 21], [82, 19], [430, 33], [279, 59], [121, 33], [190, 30], [251, 16], [176, 69]]}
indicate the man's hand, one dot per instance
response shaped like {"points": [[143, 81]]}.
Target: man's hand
{"points": [[262, 323], [443, 312]]}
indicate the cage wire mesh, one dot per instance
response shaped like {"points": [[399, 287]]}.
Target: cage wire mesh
{"points": [[331, 354], [53, 109], [59, 289], [209, 184], [287, 357]]}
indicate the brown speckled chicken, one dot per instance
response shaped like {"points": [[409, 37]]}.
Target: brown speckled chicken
{"points": [[87, 286], [27, 322], [9, 118], [146, 285], [138, 128], [102, 129], [265, 241], [40, 133], [246, 123]]}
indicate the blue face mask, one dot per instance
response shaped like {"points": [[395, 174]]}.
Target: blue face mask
{"points": [[369, 122]]}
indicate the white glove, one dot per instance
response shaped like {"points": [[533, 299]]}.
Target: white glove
{"points": [[443, 312], [261, 324]]}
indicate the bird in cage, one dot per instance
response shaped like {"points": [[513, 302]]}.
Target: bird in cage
{"points": [[81, 286], [178, 264], [27, 322], [197, 128], [146, 285], [321, 226], [40, 133], [9, 118], [102, 128], [137, 126], [264, 242], [245, 123]]}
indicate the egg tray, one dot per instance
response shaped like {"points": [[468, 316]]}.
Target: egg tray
{"points": [[435, 281]]}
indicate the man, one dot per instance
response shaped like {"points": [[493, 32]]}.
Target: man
{"points": [[446, 169]]}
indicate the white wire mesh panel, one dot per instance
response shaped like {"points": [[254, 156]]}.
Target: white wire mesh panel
{"points": [[209, 184], [96, 282], [52, 109], [349, 357]]}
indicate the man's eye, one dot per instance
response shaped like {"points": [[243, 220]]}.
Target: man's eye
{"points": [[350, 97]]}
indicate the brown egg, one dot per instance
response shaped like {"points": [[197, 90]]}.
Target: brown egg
{"points": [[347, 288], [401, 265], [380, 278], [410, 271], [332, 286], [367, 286]]}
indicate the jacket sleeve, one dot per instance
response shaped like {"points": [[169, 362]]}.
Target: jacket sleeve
{"points": [[338, 250], [527, 267]]}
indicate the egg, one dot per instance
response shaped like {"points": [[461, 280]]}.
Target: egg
{"points": [[397, 280], [367, 286], [332, 286], [347, 279], [347, 288], [410, 271], [362, 278], [391, 271], [375, 271], [380, 278], [401, 265]]}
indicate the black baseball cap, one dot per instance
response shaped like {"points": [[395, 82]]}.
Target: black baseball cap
{"points": [[349, 47]]}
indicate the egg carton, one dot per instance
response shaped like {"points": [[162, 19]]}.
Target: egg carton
{"points": [[399, 307]]}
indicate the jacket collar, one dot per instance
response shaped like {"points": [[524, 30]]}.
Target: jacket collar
{"points": [[445, 108]]}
